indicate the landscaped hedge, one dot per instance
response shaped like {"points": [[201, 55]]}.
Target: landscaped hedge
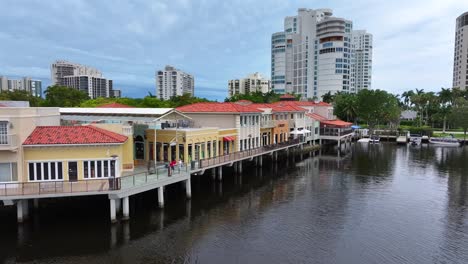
{"points": [[423, 130]]}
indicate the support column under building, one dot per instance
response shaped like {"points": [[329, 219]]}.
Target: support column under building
{"points": [[220, 173], [113, 215], [19, 211], [188, 188], [161, 197], [260, 161], [126, 207]]}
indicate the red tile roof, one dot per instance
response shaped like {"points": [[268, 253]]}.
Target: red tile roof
{"points": [[279, 108], [2, 105], [114, 105], [316, 116], [217, 108], [73, 135], [336, 123], [284, 96]]}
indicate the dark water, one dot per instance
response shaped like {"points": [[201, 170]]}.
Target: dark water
{"points": [[378, 204]]}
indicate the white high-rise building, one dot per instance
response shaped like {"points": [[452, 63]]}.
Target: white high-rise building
{"points": [[173, 82], [81, 77], [25, 84], [361, 69], [314, 55], [460, 63], [252, 83]]}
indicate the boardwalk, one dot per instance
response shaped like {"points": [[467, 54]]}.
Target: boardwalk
{"points": [[121, 188]]}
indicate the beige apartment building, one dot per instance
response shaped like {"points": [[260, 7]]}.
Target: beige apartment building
{"points": [[16, 124]]}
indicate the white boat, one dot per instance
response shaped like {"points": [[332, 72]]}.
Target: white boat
{"points": [[364, 140], [374, 139], [445, 141]]}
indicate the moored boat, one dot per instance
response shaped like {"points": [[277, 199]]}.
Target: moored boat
{"points": [[445, 141], [374, 139]]}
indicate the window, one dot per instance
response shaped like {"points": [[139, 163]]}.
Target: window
{"points": [[3, 132], [98, 169], [45, 171], [8, 172]]}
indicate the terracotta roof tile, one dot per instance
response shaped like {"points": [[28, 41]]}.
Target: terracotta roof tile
{"points": [[73, 135], [217, 108], [303, 103], [284, 96], [336, 123], [316, 116], [114, 105]]}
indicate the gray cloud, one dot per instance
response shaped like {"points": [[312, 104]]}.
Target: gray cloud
{"points": [[217, 40]]}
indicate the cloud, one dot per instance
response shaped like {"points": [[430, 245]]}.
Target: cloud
{"points": [[129, 40]]}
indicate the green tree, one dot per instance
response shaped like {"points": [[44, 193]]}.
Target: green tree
{"points": [[20, 95], [406, 96], [346, 106], [328, 97], [377, 106], [459, 114], [61, 96]]}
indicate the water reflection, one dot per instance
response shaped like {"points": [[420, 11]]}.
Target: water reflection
{"points": [[374, 204]]}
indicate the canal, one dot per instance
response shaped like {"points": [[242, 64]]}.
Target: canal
{"points": [[376, 204]]}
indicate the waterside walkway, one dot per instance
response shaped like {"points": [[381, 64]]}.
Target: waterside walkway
{"points": [[141, 180]]}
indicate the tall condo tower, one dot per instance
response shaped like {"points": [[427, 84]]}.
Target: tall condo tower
{"points": [[460, 63], [173, 82], [315, 54]]}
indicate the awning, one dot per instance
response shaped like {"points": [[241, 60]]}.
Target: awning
{"points": [[229, 138]]}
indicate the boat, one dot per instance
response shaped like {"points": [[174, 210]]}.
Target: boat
{"points": [[364, 140], [415, 141], [445, 141], [374, 139]]}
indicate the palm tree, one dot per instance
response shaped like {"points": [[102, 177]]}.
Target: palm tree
{"points": [[446, 101], [406, 96]]}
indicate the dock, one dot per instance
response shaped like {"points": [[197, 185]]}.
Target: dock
{"points": [[119, 190]]}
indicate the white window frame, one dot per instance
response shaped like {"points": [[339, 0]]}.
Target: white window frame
{"points": [[42, 171], [109, 162], [11, 172]]}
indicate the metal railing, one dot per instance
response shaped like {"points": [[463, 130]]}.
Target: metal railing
{"points": [[8, 140], [152, 175], [57, 187], [336, 132], [244, 154], [267, 123], [93, 185]]}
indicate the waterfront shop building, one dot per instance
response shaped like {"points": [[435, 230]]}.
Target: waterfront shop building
{"points": [[75, 153], [243, 119]]}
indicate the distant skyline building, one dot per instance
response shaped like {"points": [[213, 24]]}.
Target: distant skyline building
{"points": [[315, 54], [24, 84], [460, 62], [361, 68], [173, 82], [252, 83], [81, 77]]}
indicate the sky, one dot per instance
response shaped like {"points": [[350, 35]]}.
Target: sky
{"points": [[217, 40]]}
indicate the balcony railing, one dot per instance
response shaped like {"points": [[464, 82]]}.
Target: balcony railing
{"points": [[267, 124], [94, 185], [7, 141], [244, 154], [335, 132]]}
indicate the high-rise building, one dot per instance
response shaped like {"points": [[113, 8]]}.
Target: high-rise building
{"points": [[315, 55], [25, 84], [173, 82], [361, 68], [81, 77], [460, 63], [252, 83]]}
